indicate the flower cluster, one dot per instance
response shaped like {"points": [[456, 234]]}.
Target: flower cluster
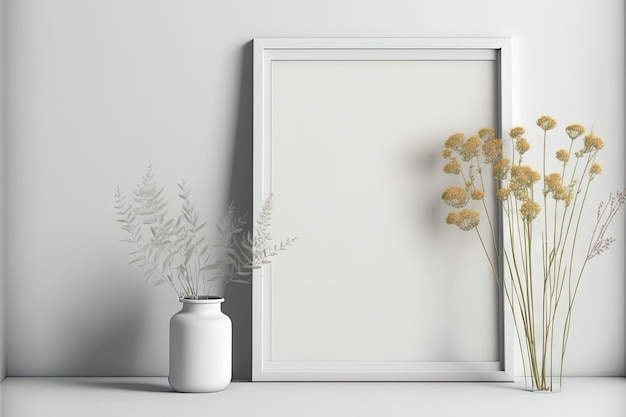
{"points": [[517, 181], [531, 199]]}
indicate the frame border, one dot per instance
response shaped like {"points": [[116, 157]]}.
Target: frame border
{"points": [[268, 49]]}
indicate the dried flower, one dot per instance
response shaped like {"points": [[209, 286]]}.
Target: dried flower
{"points": [[447, 153], [605, 215], [478, 195], [522, 145], [529, 210], [492, 149], [487, 133], [455, 141], [468, 219], [503, 194], [592, 143], [553, 181], [453, 217], [516, 194], [501, 168], [546, 123], [452, 167], [519, 191], [574, 131], [517, 132], [562, 155], [455, 196], [595, 170], [554, 186], [470, 148], [524, 175]]}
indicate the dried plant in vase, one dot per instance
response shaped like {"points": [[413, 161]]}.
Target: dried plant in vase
{"points": [[173, 249], [543, 257]]}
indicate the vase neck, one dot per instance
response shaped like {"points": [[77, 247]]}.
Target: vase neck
{"points": [[203, 308], [202, 303]]}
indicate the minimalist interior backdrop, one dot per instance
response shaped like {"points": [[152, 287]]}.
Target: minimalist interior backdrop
{"points": [[2, 219], [97, 90]]}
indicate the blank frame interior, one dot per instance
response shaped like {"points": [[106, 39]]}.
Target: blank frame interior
{"points": [[348, 140]]}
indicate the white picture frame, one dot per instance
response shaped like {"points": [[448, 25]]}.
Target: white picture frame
{"points": [[322, 138]]}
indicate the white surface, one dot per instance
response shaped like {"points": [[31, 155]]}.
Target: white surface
{"points": [[349, 134], [3, 342], [120, 397], [350, 144], [97, 90]]}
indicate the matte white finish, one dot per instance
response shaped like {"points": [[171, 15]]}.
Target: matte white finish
{"points": [[3, 341], [97, 90], [346, 132], [200, 347], [131, 397]]}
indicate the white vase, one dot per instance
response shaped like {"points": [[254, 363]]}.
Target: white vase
{"points": [[200, 346]]}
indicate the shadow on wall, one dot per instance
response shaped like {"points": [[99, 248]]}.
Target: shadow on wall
{"points": [[238, 297], [112, 351], [110, 342]]}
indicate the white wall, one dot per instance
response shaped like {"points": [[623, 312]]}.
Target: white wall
{"points": [[3, 341], [2, 177], [97, 90]]}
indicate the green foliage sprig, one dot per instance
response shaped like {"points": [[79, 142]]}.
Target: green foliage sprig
{"points": [[172, 251]]}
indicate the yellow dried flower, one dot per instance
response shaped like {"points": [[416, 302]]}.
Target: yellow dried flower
{"points": [[592, 143], [487, 133], [562, 155], [455, 141], [546, 123], [501, 168], [519, 191], [569, 196], [503, 194], [478, 195], [453, 217], [492, 149], [553, 180], [468, 219], [595, 169], [470, 148], [524, 175], [522, 146], [554, 186], [529, 210], [574, 131], [516, 132], [455, 196], [447, 153], [452, 167], [523, 178]]}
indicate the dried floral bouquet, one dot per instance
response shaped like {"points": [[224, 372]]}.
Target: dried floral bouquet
{"points": [[540, 289], [173, 249]]}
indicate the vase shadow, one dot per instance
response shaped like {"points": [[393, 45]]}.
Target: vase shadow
{"points": [[114, 383], [133, 386]]}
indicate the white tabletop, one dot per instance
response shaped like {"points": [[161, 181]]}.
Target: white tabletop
{"points": [[138, 397]]}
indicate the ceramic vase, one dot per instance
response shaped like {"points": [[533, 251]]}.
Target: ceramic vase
{"points": [[200, 346]]}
